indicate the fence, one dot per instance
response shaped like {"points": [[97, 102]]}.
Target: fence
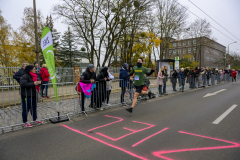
{"points": [[70, 101]]}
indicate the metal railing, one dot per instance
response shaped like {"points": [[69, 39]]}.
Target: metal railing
{"points": [[71, 102]]}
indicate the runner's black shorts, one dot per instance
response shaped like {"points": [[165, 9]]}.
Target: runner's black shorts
{"points": [[139, 88]]}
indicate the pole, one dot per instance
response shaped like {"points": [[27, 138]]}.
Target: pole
{"points": [[36, 34]]}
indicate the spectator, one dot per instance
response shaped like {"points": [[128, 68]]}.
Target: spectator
{"points": [[208, 76], [45, 78], [109, 88], [102, 77], [174, 80], [195, 75], [191, 79], [29, 88], [165, 80], [88, 77], [182, 78], [160, 80], [18, 75], [37, 69], [234, 75], [123, 83], [130, 84]]}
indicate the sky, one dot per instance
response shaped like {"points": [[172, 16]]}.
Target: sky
{"points": [[225, 12]]}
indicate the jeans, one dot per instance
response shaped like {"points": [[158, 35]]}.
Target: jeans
{"points": [[164, 87], [174, 86], [44, 87], [108, 95], [93, 99], [160, 89], [29, 105], [123, 93]]}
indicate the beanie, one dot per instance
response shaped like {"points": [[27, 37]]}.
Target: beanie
{"points": [[90, 66], [29, 68], [125, 65]]}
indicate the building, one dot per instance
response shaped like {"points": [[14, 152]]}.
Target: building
{"points": [[206, 52]]}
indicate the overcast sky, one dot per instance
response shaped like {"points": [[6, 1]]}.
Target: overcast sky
{"points": [[225, 12]]}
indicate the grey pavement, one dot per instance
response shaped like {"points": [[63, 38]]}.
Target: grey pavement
{"points": [[186, 122]]}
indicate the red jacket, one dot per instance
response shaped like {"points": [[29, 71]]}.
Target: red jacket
{"points": [[44, 74], [234, 73]]}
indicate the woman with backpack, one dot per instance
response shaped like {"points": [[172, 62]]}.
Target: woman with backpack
{"points": [[45, 78]]}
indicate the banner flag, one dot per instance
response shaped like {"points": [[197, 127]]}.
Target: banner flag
{"points": [[47, 48]]}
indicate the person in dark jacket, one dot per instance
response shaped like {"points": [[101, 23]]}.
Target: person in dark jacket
{"points": [[37, 68], [182, 76], [45, 78], [102, 77], [18, 75], [191, 79], [29, 87], [123, 83], [89, 76], [195, 75], [174, 80]]}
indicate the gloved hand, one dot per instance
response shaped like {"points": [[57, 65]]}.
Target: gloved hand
{"points": [[152, 70]]}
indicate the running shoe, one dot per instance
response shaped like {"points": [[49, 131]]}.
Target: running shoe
{"points": [[129, 109], [27, 124]]}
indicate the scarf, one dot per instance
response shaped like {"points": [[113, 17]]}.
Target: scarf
{"points": [[34, 77]]}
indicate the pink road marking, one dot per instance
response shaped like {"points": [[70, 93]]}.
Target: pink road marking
{"points": [[149, 137], [160, 153], [120, 119], [110, 145], [133, 131]]}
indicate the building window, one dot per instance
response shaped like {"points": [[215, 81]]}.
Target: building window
{"points": [[184, 43], [174, 44], [184, 50], [189, 50], [194, 50], [170, 52], [179, 44], [174, 52], [163, 57], [194, 41], [179, 51], [189, 42]]}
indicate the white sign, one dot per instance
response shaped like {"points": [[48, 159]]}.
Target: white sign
{"points": [[177, 67], [229, 66]]}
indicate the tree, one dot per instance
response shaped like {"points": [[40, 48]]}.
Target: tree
{"points": [[7, 50], [171, 22], [102, 24], [186, 61], [68, 51], [198, 30], [28, 30]]}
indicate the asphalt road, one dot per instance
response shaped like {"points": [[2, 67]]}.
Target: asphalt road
{"points": [[175, 127]]}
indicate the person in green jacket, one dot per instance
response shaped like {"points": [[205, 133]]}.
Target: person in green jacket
{"points": [[139, 81]]}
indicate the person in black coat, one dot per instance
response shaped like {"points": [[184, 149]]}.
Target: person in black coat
{"points": [[89, 76], [18, 75], [102, 77], [174, 80], [29, 84]]}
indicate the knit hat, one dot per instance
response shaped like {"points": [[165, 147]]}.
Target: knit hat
{"points": [[90, 66], [29, 68], [125, 65], [182, 68]]}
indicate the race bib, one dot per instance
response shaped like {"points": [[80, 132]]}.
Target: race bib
{"points": [[136, 78]]}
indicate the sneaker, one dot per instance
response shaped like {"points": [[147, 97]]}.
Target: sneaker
{"points": [[107, 104], [124, 104], [129, 109], [101, 109], [27, 125], [165, 94], [150, 95], [37, 122], [43, 96], [46, 97]]}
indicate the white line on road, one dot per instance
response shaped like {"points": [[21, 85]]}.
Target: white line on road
{"points": [[213, 94], [219, 119]]}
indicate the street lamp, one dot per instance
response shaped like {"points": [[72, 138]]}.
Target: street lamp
{"points": [[228, 52]]}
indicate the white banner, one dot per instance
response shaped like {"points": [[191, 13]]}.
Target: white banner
{"points": [[46, 40]]}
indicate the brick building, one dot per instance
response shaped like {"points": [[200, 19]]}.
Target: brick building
{"points": [[211, 55]]}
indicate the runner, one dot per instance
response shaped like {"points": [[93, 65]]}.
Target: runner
{"points": [[139, 81]]}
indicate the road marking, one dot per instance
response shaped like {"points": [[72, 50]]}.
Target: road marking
{"points": [[219, 119], [213, 94]]}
